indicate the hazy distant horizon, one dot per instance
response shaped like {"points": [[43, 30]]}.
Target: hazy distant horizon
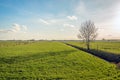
{"points": [[57, 19]]}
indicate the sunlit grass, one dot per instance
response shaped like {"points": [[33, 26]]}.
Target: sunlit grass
{"points": [[51, 61]]}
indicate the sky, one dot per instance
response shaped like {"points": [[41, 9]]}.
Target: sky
{"points": [[57, 19]]}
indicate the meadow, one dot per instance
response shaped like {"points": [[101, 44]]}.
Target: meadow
{"points": [[107, 46], [51, 60]]}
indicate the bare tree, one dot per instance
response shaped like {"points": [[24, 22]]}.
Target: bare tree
{"points": [[88, 32]]}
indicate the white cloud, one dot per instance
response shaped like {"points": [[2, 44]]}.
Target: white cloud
{"points": [[24, 27], [15, 28], [68, 25], [72, 17], [44, 21]]}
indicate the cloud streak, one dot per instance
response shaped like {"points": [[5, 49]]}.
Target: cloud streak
{"points": [[68, 25], [44, 21]]}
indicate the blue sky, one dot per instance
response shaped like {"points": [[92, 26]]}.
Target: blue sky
{"points": [[57, 19]]}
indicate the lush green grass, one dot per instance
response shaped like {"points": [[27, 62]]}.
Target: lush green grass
{"points": [[51, 61], [113, 47]]}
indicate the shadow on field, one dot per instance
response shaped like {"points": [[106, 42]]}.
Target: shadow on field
{"points": [[16, 59], [110, 57]]}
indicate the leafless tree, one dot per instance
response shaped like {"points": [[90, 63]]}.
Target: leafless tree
{"points": [[88, 32]]}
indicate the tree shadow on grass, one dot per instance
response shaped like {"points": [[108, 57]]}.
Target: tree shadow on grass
{"points": [[16, 59]]}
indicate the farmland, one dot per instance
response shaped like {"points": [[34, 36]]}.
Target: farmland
{"points": [[107, 46], [51, 60]]}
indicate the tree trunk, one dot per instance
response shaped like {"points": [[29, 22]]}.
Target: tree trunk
{"points": [[88, 45]]}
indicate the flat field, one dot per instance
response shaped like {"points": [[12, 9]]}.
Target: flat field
{"points": [[113, 47], [50, 60]]}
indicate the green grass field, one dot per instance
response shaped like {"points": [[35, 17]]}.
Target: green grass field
{"points": [[47, 60], [113, 47]]}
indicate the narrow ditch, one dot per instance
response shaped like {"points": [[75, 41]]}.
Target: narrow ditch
{"points": [[110, 57]]}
